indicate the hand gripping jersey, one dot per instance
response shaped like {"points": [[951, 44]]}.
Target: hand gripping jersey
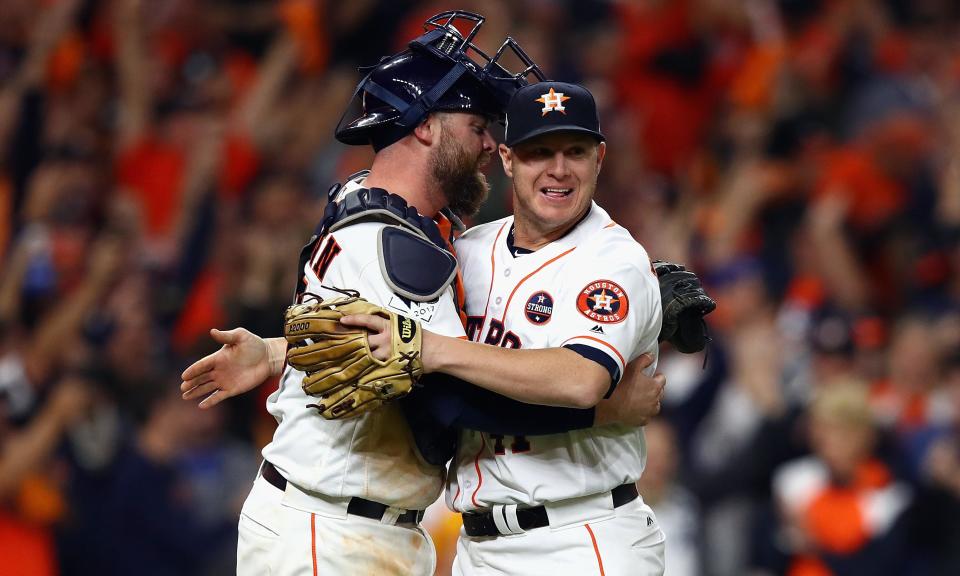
{"points": [[372, 456], [593, 291]]}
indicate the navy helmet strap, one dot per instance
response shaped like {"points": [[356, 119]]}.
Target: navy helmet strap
{"points": [[387, 96], [424, 103]]}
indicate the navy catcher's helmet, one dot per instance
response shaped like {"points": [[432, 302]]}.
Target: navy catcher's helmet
{"points": [[438, 71]]}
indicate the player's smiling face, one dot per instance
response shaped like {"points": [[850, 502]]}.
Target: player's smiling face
{"points": [[554, 179]]}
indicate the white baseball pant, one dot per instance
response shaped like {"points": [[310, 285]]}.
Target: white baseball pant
{"points": [[604, 541], [290, 533]]}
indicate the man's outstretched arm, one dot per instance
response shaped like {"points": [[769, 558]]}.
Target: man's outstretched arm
{"points": [[243, 362]]}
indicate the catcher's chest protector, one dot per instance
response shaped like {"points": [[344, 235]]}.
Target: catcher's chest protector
{"points": [[415, 257]]}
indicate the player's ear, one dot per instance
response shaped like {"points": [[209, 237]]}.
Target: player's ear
{"points": [[428, 129], [601, 152], [506, 157]]}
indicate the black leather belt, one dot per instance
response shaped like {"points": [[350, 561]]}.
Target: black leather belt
{"points": [[483, 524], [357, 506]]}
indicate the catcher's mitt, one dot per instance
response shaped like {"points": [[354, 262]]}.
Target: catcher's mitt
{"points": [[684, 305], [340, 368]]}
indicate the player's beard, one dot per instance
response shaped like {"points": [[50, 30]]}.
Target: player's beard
{"points": [[463, 184]]}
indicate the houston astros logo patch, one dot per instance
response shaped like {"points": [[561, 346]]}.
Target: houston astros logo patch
{"points": [[539, 308], [553, 101], [603, 301]]}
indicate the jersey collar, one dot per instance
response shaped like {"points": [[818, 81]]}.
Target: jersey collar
{"points": [[570, 234]]}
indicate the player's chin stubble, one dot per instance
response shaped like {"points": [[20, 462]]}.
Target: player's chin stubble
{"points": [[459, 176]]}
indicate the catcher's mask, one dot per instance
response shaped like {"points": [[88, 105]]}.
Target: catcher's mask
{"points": [[439, 70]]}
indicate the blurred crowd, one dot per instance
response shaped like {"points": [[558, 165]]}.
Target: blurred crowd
{"points": [[161, 163]]}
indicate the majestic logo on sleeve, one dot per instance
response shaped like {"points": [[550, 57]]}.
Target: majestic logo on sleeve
{"points": [[553, 101], [539, 308], [603, 301]]}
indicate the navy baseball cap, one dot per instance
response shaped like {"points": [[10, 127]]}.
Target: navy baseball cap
{"points": [[551, 107]]}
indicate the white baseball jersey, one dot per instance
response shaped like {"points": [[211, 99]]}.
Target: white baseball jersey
{"points": [[593, 289], [372, 456]]}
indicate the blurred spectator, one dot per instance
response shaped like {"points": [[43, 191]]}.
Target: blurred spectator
{"points": [[88, 456], [171, 535], [265, 274], [216, 469], [745, 332], [904, 400], [31, 498], [937, 453], [675, 507], [839, 507]]}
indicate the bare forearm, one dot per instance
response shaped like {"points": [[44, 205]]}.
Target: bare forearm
{"points": [[25, 451], [15, 269], [197, 183], [272, 73], [64, 321], [132, 68], [840, 270], [553, 377]]}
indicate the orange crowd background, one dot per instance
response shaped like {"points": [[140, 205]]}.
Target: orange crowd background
{"points": [[161, 163]]}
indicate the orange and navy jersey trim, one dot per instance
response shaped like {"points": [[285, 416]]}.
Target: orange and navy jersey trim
{"points": [[599, 341], [493, 269]]}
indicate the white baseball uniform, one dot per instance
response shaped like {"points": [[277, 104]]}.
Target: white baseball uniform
{"points": [[306, 528], [594, 291]]}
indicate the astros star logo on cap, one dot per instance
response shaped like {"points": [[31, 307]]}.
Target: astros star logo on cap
{"points": [[553, 101]]}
